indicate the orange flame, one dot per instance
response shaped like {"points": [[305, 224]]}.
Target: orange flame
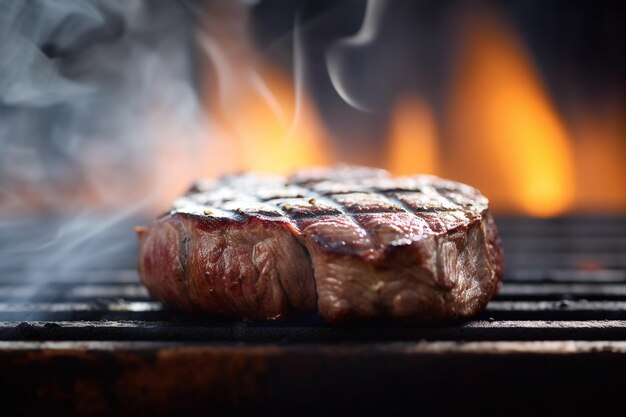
{"points": [[265, 126], [505, 128], [413, 139]]}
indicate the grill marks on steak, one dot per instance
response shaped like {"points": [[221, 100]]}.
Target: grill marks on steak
{"points": [[353, 242]]}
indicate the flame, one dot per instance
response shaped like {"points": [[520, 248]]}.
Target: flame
{"points": [[265, 126], [504, 127], [412, 139]]}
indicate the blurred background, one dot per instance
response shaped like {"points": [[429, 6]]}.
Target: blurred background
{"points": [[110, 109]]}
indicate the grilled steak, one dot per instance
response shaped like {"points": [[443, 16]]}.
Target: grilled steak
{"points": [[352, 242]]}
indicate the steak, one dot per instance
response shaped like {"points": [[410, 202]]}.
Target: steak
{"points": [[353, 243]]}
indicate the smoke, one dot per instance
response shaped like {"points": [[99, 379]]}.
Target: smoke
{"points": [[299, 71], [241, 72], [30, 78], [345, 51], [94, 96]]}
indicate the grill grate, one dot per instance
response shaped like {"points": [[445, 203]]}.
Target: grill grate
{"points": [[564, 299]]}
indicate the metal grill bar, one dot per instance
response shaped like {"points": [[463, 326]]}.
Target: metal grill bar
{"points": [[526, 330], [548, 301]]}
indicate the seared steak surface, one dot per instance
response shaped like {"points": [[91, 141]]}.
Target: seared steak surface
{"points": [[352, 242]]}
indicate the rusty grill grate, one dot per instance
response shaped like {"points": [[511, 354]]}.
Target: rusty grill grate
{"points": [[559, 320]]}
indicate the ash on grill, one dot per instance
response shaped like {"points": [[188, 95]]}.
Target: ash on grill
{"points": [[93, 342]]}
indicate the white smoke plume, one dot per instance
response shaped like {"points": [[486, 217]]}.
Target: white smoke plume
{"points": [[344, 49], [93, 95]]}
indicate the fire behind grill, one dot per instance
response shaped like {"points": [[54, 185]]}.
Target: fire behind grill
{"points": [[94, 342]]}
